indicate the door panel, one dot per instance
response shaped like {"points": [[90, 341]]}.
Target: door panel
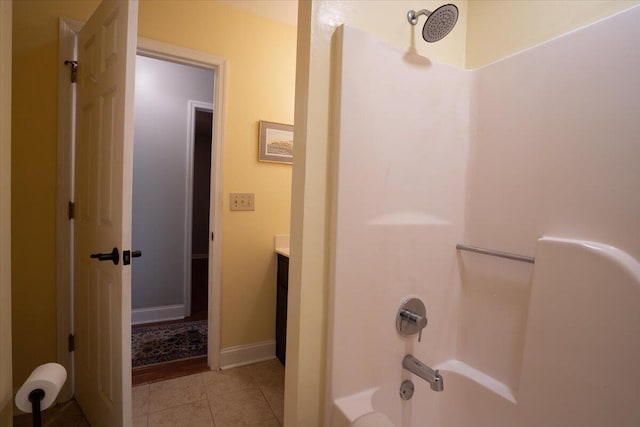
{"points": [[104, 147]]}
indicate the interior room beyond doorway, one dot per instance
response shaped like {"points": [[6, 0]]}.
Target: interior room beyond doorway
{"points": [[171, 212]]}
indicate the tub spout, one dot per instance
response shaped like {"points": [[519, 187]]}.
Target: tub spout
{"points": [[418, 368]]}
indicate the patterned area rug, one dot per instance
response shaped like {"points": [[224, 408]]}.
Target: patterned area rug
{"points": [[165, 343]]}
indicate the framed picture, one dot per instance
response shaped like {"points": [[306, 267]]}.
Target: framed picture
{"points": [[276, 142]]}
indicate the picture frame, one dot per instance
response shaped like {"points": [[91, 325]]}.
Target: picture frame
{"points": [[276, 142]]}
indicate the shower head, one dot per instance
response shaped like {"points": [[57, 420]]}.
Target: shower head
{"points": [[439, 23]]}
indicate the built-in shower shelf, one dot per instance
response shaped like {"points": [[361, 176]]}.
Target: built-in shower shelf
{"points": [[478, 377]]}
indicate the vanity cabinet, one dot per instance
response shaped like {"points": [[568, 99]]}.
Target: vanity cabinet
{"points": [[282, 285]]}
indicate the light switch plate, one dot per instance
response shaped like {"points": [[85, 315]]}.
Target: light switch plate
{"points": [[242, 201]]}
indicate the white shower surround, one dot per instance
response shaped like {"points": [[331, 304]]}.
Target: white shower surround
{"points": [[536, 154]]}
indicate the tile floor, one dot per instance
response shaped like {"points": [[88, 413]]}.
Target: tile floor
{"points": [[250, 395]]}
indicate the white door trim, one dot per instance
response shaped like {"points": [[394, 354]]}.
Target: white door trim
{"points": [[182, 55], [68, 37], [192, 106], [152, 314], [152, 48]]}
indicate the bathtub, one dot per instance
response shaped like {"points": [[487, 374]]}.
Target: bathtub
{"points": [[578, 364], [468, 394]]}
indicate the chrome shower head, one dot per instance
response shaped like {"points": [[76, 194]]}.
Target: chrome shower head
{"points": [[439, 23]]}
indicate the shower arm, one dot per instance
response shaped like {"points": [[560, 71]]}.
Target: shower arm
{"points": [[412, 15]]}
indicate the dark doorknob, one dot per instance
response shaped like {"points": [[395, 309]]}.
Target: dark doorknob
{"points": [[113, 256]]}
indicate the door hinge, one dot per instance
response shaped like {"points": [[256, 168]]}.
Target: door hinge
{"points": [[72, 343], [72, 210], [74, 70], [212, 236]]}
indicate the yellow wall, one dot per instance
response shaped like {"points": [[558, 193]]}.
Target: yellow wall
{"points": [[261, 73], [499, 28], [34, 102]]}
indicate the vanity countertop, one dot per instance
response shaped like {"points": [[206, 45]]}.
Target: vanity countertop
{"points": [[281, 244], [283, 251]]}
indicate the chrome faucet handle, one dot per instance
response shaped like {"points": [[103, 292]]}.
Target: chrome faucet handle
{"points": [[415, 319], [411, 318]]}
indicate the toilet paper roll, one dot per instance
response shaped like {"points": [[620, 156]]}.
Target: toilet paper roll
{"points": [[49, 377], [373, 419]]}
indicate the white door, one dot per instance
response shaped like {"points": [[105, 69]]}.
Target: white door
{"points": [[104, 153]]}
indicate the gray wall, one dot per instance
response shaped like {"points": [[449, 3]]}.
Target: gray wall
{"points": [[163, 90]]}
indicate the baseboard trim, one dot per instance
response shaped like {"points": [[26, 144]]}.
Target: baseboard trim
{"points": [[241, 355], [157, 314]]}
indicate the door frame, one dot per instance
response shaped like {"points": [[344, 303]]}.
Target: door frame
{"points": [[218, 64], [192, 106], [68, 30], [6, 376], [67, 50]]}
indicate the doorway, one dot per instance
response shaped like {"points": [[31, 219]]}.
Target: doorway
{"points": [[201, 200], [171, 216], [66, 171]]}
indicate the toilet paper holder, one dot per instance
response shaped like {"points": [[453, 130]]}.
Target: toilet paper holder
{"points": [[35, 397], [40, 390]]}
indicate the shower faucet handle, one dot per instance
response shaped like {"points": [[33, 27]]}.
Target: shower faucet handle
{"points": [[407, 315], [411, 318]]}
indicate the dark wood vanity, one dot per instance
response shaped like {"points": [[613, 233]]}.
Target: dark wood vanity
{"points": [[282, 285]]}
